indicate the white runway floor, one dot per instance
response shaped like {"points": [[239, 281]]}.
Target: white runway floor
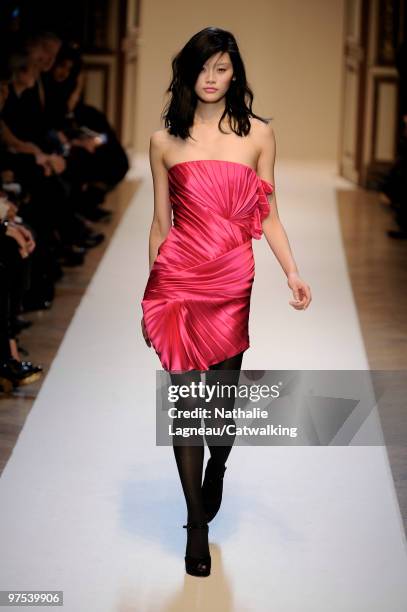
{"points": [[89, 505]]}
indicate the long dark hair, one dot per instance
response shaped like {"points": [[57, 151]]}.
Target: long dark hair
{"points": [[70, 51], [186, 66]]}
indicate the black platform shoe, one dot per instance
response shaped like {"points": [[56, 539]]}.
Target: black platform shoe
{"points": [[197, 566], [24, 372], [14, 373], [212, 488]]}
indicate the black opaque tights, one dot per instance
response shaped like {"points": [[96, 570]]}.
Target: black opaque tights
{"points": [[189, 452]]}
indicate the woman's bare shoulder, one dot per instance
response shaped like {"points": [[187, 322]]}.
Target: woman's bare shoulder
{"points": [[160, 137], [160, 141], [263, 135], [261, 128]]}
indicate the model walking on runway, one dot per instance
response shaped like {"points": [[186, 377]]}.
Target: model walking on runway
{"points": [[213, 171]]}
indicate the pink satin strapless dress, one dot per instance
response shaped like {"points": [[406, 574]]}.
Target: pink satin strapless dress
{"points": [[196, 303]]}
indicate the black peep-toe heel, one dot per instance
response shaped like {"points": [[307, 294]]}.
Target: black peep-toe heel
{"points": [[197, 566]]}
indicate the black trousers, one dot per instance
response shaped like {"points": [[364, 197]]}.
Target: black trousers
{"points": [[14, 282]]}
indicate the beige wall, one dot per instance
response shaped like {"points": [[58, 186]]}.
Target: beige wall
{"points": [[292, 51]]}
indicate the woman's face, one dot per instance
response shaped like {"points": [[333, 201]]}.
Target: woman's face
{"points": [[61, 71], [216, 74], [50, 49]]}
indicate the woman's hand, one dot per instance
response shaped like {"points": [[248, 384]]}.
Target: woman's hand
{"points": [[51, 163], [12, 211], [89, 144], [14, 232], [42, 160], [301, 292], [57, 162], [62, 137], [30, 242], [143, 329]]}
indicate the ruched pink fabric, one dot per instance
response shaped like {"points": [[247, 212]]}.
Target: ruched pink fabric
{"points": [[196, 303]]}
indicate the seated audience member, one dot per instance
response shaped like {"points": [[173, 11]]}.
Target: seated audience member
{"points": [[59, 157], [25, 131], [49, 210], [16, 246], [66, 109]]}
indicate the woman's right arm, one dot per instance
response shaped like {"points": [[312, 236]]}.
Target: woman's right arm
{"points": [[162, 217], [15, 143]]}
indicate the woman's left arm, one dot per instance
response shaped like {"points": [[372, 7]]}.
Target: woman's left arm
{"points": [[77, 92], [273, 228]]}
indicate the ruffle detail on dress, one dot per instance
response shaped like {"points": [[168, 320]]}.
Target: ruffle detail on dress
{"points": [[262, 209]]}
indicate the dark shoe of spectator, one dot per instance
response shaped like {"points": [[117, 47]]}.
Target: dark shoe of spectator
{"points": [[72, 256], [90, 240], [96, 213], [35, 303], [94, 194], [21, 324], [17, 373], [397, 234], [89, 198]]}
